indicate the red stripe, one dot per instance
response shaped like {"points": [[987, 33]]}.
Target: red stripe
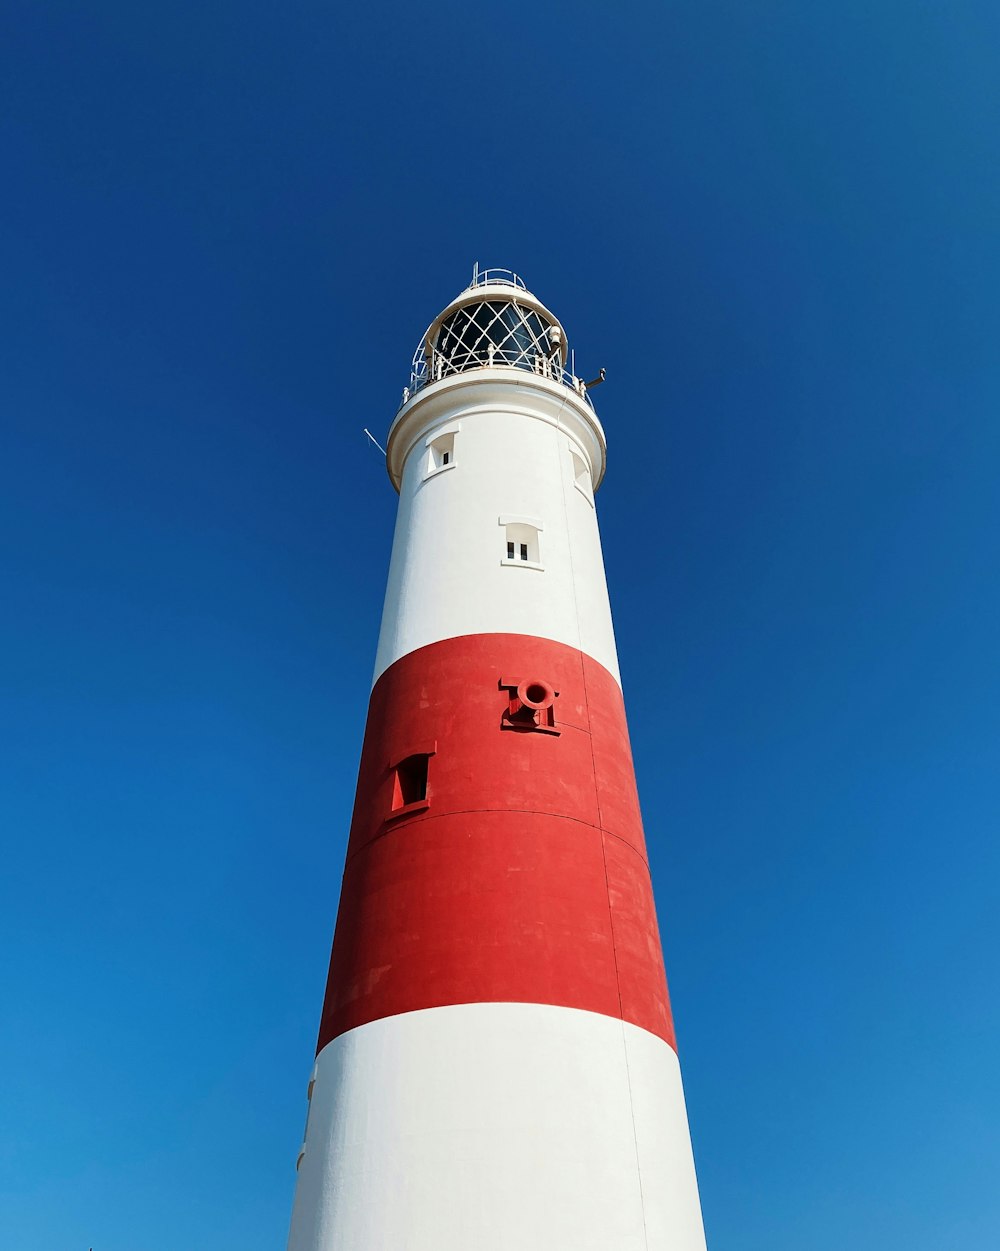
{"points": [[523, 878]]}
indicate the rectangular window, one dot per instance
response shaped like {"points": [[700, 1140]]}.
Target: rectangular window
{"points": [[440, 453], [409, 790], [410, 783], [521, 541], [581, 477]]}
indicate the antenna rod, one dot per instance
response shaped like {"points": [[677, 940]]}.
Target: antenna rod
{"points": [[374, 440]]}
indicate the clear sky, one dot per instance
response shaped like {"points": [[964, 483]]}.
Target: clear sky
{"points": [[223, 228]]}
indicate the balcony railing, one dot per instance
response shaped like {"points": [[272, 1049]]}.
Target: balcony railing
{"points": [[430, 365], [495, 278]]}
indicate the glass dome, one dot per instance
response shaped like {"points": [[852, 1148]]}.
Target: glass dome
{"points": [[495, 332], [495, 322]]}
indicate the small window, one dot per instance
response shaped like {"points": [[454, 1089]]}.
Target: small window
{"points": [[305, 1133], [410, 782], [521, 541], [581, 477], [440, 453], [409, 790]]}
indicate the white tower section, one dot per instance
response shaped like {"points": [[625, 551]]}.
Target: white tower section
{"points": [[531, 452]]}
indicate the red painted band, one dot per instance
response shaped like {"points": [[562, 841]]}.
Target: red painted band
{"points": [[521, 875]]}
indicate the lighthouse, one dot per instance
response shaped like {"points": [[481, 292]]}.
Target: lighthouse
{"points": [[496, 1067]]}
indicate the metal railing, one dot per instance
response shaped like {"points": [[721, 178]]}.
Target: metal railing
{"points": [[495, 278], [430, 365]]}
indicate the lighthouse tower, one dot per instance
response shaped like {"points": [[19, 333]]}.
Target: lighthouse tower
{"points": [[496, 1067]]}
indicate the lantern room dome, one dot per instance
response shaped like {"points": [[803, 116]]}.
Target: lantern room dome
{"points": [[494, 348], [494, 323]]}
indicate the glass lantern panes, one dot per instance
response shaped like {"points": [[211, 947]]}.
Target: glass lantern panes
{"points": [[493, 332]]}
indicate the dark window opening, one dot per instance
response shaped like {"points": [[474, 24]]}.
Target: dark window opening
{"points": [[510, 551], [446, 458], [410, 783], [524, 551]]}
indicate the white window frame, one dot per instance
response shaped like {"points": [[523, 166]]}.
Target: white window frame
{"points": [[582, 477], [432, 466], [533, 539]]}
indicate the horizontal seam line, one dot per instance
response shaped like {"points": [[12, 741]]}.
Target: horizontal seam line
{"points": [[395, 826]]}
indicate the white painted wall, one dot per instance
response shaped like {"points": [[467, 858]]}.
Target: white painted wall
{"points": [[513, 439], [496, 1126]]}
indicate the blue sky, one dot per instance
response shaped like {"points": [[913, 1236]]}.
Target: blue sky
{"points": [[223, 230]]}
